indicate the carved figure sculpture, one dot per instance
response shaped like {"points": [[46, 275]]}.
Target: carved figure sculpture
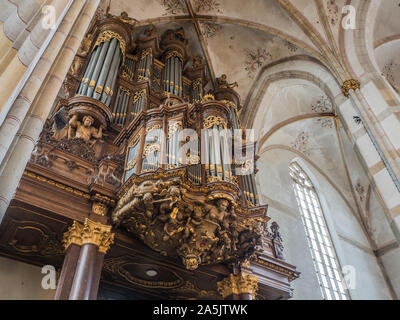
{"points": [[85, 130], [222, 83], [175, 221], [277, 240]]}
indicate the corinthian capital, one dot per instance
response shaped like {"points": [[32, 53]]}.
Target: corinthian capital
{"points": [[240, 284], [89, 233]]}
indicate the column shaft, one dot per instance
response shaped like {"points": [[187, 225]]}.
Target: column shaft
{"points": [[85, 271], [97, 275], [67, 272]]}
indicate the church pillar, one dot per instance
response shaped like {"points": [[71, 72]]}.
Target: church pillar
{"points": [[67, 272], [86, 246], [84, 278], [13, 168], [239, 287], [27, 35], [376, 147], [21, 105], [72, 243]]}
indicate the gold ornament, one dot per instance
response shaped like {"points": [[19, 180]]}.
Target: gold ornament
{"points": [[145, 53], [89, 233], [99, 209], [351, 84], [97, 234], [107, 36], [209, 97], [138, 95], [212, 121], [73, 235], [174, 53], [240, 284]]}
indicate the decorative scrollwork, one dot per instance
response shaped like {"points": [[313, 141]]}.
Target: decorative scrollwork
{"points": [[174, 53], [154, 127], [138, 95], [107, 36], [212, 121], [174, 128], [150, 148], [146, 52]]}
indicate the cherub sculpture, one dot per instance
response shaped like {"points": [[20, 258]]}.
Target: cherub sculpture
{"points": [[220, 212]]}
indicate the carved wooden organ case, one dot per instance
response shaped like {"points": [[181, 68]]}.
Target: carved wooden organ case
{"points": [[126, 109]]}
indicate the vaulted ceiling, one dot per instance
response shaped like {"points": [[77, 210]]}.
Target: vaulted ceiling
{"points": [[387, 41], [238, 37]]}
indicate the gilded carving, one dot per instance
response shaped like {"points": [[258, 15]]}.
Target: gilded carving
{"points": [[240, 284], [109, 35], [174, 221], [73, 235], [212, 121], [350, 84], [99, 208], [89, 233], [174, 53], [208, 97]]}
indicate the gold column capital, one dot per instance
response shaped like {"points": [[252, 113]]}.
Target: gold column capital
{"points": [[240, 284], [89, 233], [351, 84], [73, 235], [97, 234]]}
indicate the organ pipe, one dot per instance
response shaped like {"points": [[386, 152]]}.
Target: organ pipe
{"points": [[101, 73]]}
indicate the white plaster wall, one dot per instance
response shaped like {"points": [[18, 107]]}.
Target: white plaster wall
{"points": [[21, 281], [391, 261]]}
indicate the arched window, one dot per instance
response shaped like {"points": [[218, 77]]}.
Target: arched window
{"points": [[319, 240]]}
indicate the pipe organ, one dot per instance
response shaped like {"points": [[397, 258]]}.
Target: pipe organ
{"points": [[152, 124], [161, 148]]}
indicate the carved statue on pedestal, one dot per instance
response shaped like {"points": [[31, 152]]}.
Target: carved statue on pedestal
{"points": [[277, 240]]}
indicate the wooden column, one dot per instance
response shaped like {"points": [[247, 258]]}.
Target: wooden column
{"points": [[98, 267], [84, 274], [67, 272], [239, 287], [86, 246]]}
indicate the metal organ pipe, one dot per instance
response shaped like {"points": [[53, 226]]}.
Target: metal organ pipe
{"points": [[105, 69], [98, 68], [111, 79], [102, 71], [116, 106], [89, 71]]}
